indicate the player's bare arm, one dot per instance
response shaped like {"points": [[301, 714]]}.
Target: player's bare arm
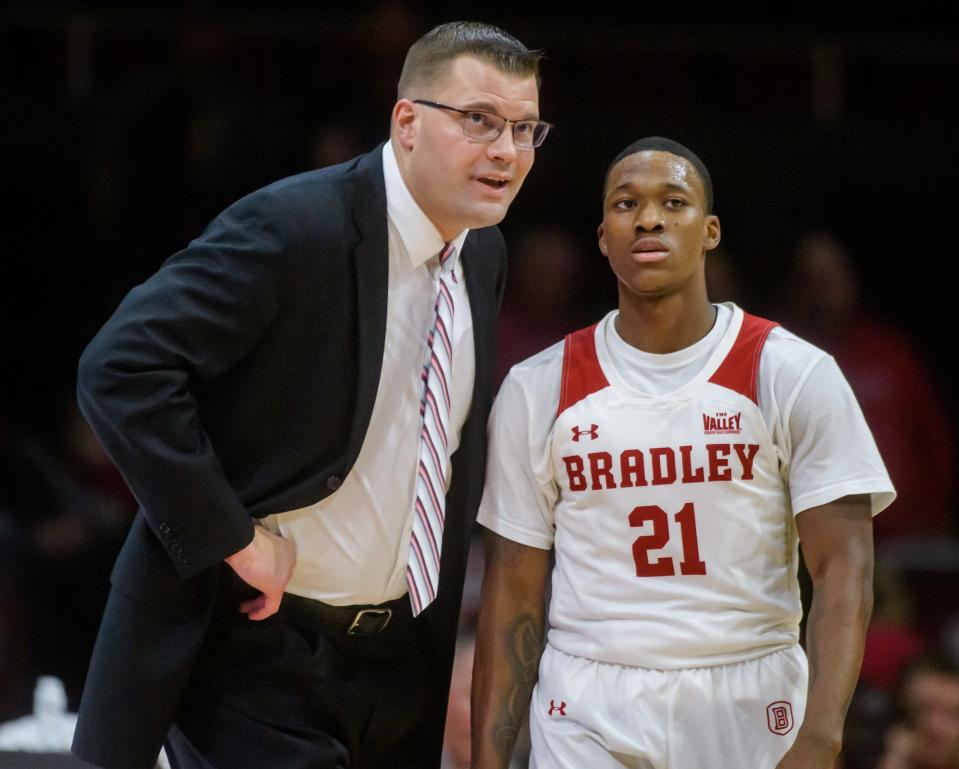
{"points": [[509, 644], [836, 541]]}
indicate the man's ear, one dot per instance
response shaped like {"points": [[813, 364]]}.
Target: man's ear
{"points": [[601, 235], [405, 123], [713, 232]]}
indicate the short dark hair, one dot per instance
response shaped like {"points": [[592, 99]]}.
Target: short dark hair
{"points": [[429, 56], [662, 144]]}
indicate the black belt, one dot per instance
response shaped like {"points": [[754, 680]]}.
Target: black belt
{"points": [[360, 620]]}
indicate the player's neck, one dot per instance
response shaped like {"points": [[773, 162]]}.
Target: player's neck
{"points": [[664, 324]]}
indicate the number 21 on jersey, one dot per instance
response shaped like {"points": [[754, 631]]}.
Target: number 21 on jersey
{"points": [[663, 567]]}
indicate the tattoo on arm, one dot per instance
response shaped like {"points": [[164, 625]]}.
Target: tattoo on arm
{"points": [[524, 646]]}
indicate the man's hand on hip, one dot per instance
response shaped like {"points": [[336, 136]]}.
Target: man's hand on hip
{"points": [[266, 564]]}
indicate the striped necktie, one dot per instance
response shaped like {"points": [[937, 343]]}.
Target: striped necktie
{"points": [[429, 506]]}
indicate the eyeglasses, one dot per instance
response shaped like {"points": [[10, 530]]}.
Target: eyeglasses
{"points": [[487, 126]]}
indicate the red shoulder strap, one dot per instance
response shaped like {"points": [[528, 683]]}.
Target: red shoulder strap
{"points": [[739, 370], [582, 374]]}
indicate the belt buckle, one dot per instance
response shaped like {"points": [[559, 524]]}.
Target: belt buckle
{"points": [[370, 621]]}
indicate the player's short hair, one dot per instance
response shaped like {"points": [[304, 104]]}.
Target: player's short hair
{"points": [[662, 144], [430, 56]]}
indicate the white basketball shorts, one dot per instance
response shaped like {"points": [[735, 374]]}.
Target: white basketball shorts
{"points": [[595, 715]]}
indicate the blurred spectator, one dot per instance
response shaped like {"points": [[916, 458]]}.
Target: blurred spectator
{"points": [[172, 146], [894, 385], [396, 24], [870, 712], [898, 744], [332, 142], [723, 282], [929, 697], [25, 498], [950, 636], [542, 302], [65, 509], [892, 641], [15, 679]]}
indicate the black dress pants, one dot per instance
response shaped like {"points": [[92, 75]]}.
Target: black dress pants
{"points": [[296, 691]]}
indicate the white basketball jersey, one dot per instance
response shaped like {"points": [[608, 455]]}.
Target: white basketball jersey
{"points": [[675, 543]]}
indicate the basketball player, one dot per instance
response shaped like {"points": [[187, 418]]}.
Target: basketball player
{"points": [[672, 458]]}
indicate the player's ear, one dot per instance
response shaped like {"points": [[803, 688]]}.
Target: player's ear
{"points": [[601, 235], [712, 232]]}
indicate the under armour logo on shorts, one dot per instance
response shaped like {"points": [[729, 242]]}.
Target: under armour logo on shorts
{"points": [[779, 717], [554, 708], [592, 432]]}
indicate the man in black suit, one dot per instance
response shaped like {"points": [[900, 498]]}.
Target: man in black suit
{"points": [[257, 618]]}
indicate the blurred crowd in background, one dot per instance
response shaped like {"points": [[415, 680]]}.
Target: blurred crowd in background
{"points": [[833, 152]]}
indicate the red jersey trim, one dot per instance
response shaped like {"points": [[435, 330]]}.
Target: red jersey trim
{"points": [[739, 371], [582, 374]]}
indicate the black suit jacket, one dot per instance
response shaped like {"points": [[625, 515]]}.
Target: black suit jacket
{"points": [[239, 381]]}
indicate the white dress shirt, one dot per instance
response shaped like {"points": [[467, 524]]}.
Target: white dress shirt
{"points": [[352, 546]]}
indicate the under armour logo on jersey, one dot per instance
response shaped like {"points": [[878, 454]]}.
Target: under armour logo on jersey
{"points": [[554, 708], [592, 432], [779, 717]]}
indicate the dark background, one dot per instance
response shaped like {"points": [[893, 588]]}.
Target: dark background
{"points": [[837, 117], [127, 127]]}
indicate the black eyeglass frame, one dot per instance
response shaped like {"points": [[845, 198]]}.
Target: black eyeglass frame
{"points": [[506, 121]]}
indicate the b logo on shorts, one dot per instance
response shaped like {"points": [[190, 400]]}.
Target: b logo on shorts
{"points": [[779, 717], [553, 707]]}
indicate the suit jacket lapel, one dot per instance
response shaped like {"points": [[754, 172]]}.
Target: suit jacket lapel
{"points": [[372, 284], [482, 294]]}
